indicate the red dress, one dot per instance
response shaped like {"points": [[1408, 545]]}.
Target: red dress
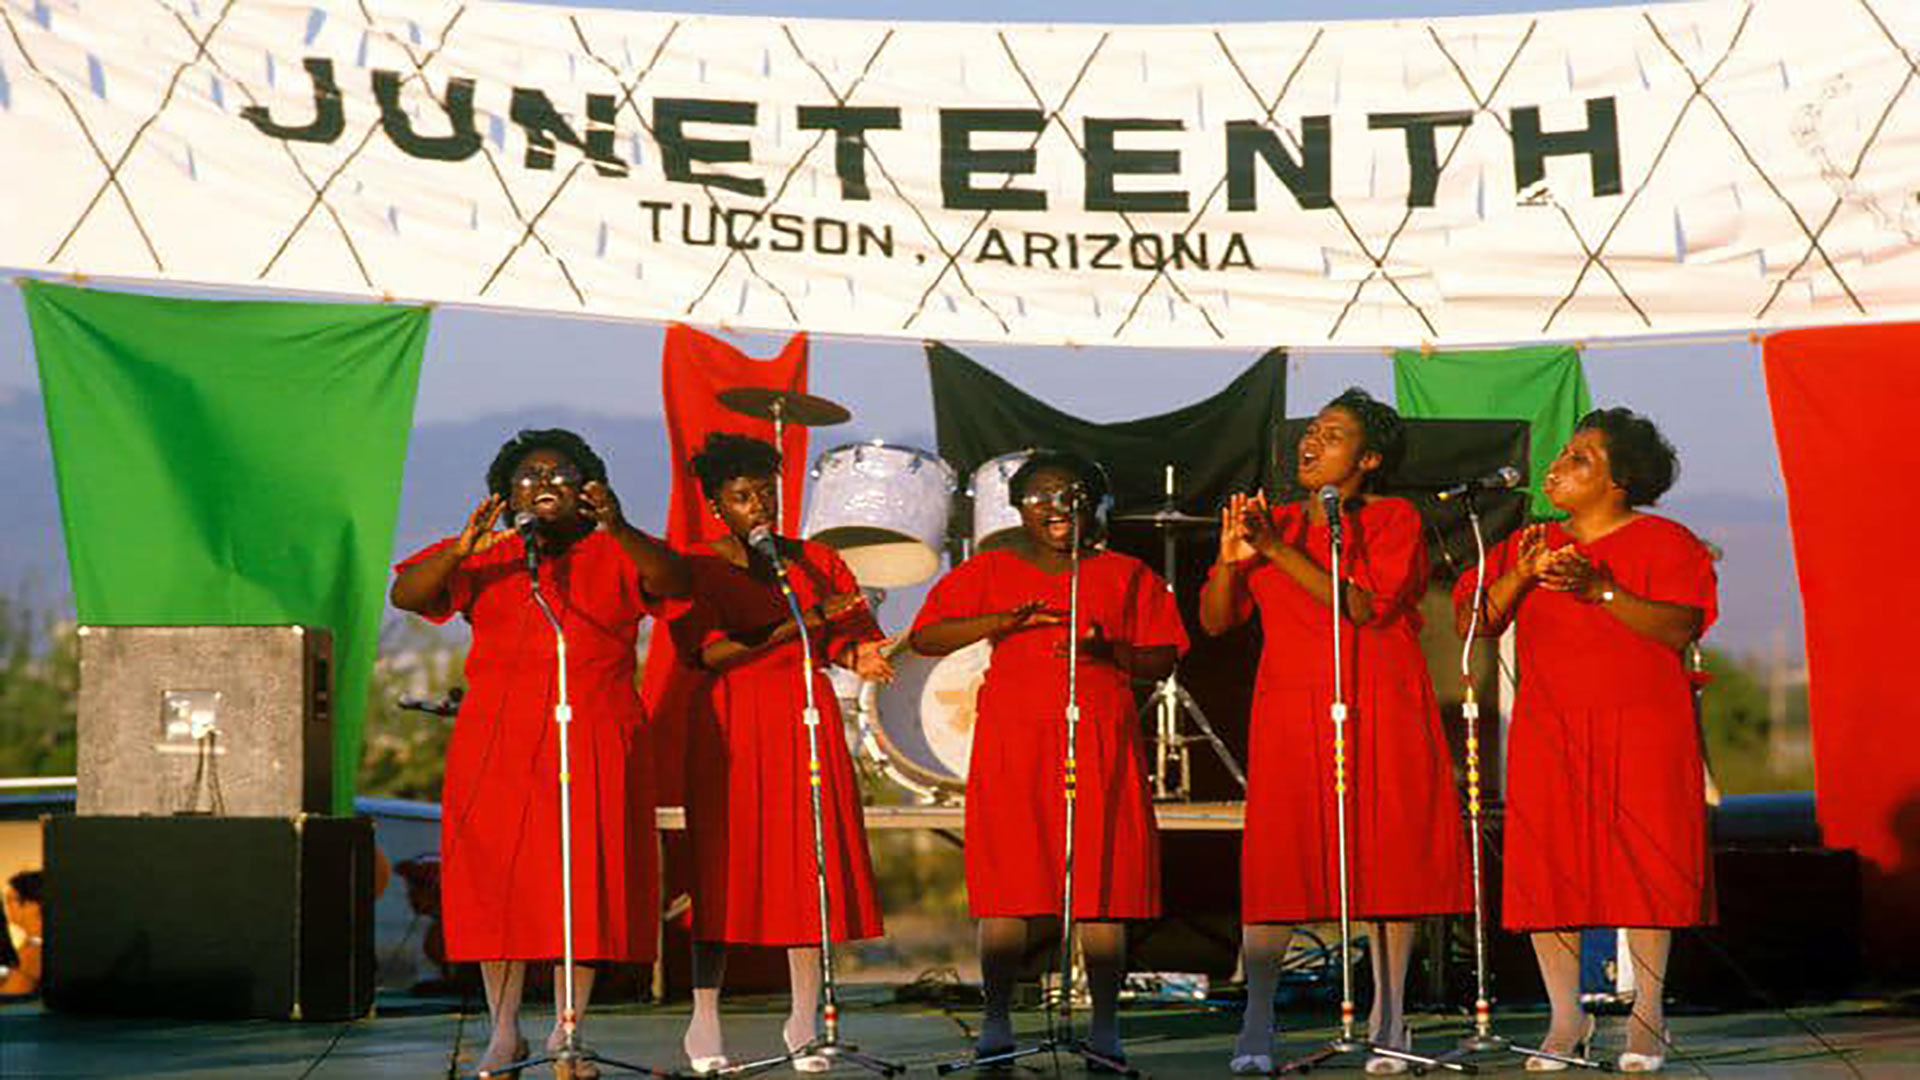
{"points": [[1606, 818], [749, 813], [1016, 810], [1407, 846], [499, 816]]}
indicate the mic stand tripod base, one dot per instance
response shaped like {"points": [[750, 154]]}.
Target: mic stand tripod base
{"points": [[1340, 1045], [566, 1063], [820, 1048], [1095, 1060]]}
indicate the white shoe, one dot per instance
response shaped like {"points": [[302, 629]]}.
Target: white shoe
{"points": [[1381, 1064], [702, 1066], [1251, 1065], [1547, 1064], [1646, 1063]]}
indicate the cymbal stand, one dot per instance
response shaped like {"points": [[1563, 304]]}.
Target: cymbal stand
{"points": [[1171, 700]]}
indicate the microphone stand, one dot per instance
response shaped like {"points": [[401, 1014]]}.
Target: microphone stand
{"points": [[569, 1056], [828, 1044], [1345, 1042], [1061, 1038], [1482, 1040]]}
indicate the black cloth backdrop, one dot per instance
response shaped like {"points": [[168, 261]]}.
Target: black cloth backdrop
{"points": [[1218, 445]]}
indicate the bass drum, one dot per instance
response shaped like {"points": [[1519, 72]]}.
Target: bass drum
{"points": [[919, 728]]}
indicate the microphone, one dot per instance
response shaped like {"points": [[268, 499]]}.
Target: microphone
{"points": [[761, 540], [1506, 476], [1330, 498], [523, 522]]}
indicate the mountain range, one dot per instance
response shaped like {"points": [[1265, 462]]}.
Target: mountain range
{"points": [[445, 479]]}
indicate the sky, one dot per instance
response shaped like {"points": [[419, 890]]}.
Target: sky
{"points": [[1709, 397]]}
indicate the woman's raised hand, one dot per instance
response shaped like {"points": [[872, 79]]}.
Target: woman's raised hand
{"points": [[870, 661], [480, 534], [1256, 524], [600, 505], [840, 603], [1533, 555], [1031, 613], [1234, 545]]}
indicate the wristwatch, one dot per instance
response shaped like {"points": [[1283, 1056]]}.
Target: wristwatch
{"points": [[1606, 593]]}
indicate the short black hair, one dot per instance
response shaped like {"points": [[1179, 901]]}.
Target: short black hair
{"points": [[1381, 431], [1641, 459], [560, 440], [1090, 475], [726, 457], [26, 885]]}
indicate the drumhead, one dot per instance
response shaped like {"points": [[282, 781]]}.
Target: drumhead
{"points": [[926, 715]]}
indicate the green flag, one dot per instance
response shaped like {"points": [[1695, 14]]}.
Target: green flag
{"points": [[1541, 384], [226, 463]]}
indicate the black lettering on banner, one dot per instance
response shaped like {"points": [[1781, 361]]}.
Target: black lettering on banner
{"points": [[1423, 154], [1189, 250], [825, 228], [742, 239], [1237, 253], [679, 153], [1600, 141], [959, 160], [544, 126], [789, 232], [686, 227], [461, 143], [994, 249], [1104, 245], [329, 118], [850, 126], [653, 212], [1310, 178], [869, 239], [1105, 161], [1040, 245], [1146, 251]]}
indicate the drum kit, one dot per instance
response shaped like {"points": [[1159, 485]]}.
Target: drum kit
{"points": [[885, 509]]}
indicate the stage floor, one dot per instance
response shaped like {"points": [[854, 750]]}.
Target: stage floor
{"points": [[417, 1040]]}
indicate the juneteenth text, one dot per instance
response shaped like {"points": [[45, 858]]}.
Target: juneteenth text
{"points": [[1305, 169]]}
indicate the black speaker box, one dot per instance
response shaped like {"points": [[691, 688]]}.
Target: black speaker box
{"points": [[210, 917]]}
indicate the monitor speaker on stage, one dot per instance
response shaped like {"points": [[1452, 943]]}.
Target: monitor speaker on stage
{"points": [[268, 918], [223, 720]]}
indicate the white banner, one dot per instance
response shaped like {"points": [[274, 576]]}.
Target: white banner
{"points": [[1653, 170]]}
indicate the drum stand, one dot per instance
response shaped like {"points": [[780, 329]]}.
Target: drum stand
{"points": [[1345, 1043], [1482, 1040], [569, 1055], [1171, 700], [828, 1044], [1061, 1038]]}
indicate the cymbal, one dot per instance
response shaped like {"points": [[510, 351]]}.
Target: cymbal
{"points": [[1166, 519], [790, 406]]}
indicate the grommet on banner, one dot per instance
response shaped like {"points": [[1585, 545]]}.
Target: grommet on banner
{"points": [[1426, 350], [1753, 337]]}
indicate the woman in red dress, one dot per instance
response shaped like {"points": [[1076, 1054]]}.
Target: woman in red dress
{"points": [[749, 811], [1406, 845], [1606, 820], [1017, 597], [499, 825]]}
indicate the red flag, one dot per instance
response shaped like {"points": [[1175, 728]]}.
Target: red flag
{"points": [[695, 368], [1840, 401]]}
